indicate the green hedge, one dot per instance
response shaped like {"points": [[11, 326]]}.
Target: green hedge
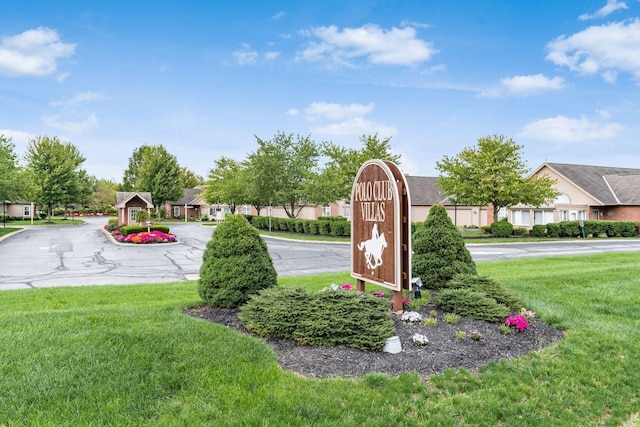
{"points": [[324, 226], [591, 229], [131, 229]]}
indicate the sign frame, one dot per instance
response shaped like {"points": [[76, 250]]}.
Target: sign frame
{"points": [[368, 205]]}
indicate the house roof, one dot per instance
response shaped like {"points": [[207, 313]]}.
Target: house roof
{"points": [[608, 185], [424, 191], [191, 196], [123, 197]]}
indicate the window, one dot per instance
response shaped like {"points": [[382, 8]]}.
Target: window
{"points": [[326, 210], [542, 217], [502, 213], [26, 210], [246, 209], [564, 215], [521, 217], [133, 214], [595, 214], [176, 211], [346, 211], [563, 199]]}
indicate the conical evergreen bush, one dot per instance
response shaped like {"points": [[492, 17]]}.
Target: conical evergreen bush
{"points": [[235, 265], [438, 250]]}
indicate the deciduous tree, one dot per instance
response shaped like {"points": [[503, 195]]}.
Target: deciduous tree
{"points": [[14, 184], [286, 166], [493, 173], [225, 183], [55, 169], [152, 168], [336, 179]]}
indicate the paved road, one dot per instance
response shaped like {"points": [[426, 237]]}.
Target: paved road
{"points": [[83, 255]]}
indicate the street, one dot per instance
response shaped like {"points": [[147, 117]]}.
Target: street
{"points": [[83, 255]]}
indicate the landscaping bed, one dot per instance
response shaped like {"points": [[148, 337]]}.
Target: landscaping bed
{"points": [[444, 351]]}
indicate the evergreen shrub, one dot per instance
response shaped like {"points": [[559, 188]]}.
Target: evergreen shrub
{"points": [[470, 303], [553, 230], [235, 265], [502, 228], [439, 252], [132, 229], [486, 286], [324, 227], [538, 230], [326, 318]]}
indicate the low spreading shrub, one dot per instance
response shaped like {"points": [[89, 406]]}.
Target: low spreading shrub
{"points": [[134, 229], [486, 286], [326, 318], [470, 303]]}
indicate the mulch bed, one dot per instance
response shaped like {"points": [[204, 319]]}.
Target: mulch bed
{"points": [[442, 352]]}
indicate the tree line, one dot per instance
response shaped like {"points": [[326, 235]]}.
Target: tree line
{"points": [[289, 171]]}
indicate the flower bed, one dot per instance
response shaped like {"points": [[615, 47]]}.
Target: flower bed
{"points": [[146, 237]]}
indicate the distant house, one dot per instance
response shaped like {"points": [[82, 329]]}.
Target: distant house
{"points": [[424, 194], [586, 192], [191, 205], [19, 210], [129, 203]]}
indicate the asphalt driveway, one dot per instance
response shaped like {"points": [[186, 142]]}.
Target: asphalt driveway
{"points": [[83, 255]]}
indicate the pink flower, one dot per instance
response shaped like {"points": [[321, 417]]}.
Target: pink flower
{"points": [[406, 301], [520, 322], [347, 286], [378, 294]]}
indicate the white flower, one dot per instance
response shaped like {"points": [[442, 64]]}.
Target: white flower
{"points": [[420, 339], [411, 316]]}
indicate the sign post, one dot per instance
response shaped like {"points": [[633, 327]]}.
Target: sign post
{"points": [[381, 229]]}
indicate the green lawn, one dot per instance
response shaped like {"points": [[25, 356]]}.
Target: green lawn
{"points": [[125, 355], [54, 221], [8, 230]]}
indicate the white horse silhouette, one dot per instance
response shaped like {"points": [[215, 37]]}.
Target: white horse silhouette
{"points": [[374, 248]]}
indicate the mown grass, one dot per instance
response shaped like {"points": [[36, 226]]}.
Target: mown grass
{"points": [[8, 230], [126, 355], [53, 221]]}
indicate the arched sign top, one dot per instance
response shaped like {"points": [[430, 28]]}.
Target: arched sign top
{"points": [[380, 226]]}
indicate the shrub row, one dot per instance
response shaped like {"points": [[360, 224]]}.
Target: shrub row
{"points": [[129, 229], [328, 318], [591, 229], [326, 226]]}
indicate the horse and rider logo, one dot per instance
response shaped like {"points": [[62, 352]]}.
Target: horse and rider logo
{"points": [[373, 248]]}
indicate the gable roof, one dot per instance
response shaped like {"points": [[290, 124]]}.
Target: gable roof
{"points": [[608, 185], [123, 197], [191, 196], [424, 191]]}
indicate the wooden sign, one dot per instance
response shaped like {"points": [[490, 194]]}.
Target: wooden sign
{"points": [[381, 227]]}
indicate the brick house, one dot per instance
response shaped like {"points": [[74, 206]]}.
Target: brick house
{"points": [[129, 203], [190, 206], [586, 192]]}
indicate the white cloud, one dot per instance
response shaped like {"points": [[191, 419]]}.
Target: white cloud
{"points": [[278, 16], [246, 55], [33, 53], [70, 126], [78, 99], [271, 55], [330, 111], [525, 85], [605, 49], [566, 129], [19, 138], [293, 112], [355, 126], [397, 46], [345, 120], [609, 8]]}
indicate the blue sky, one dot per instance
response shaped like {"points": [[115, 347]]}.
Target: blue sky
{"points": [[203, 77]]}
